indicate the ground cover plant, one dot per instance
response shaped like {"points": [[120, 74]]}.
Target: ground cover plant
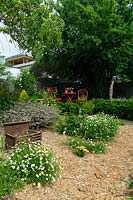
{"points": [[37, 113], [27, 163], [92, 131], [98, 127], [81, 146], [33, 163], [8, 181]]}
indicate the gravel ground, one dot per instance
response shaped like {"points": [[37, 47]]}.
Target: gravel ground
{"points": [[93, 177]]}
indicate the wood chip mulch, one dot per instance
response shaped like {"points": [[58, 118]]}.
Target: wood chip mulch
{"points": [[93, 177]]}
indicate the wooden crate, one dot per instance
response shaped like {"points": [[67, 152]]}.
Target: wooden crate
{"points": [[33, 136], [17, 128]]}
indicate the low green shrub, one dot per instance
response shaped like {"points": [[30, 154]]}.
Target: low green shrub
{"points": [[69, 125], [23, 95], [122, 108], [5, 103], [7, 94], [33, 163], [84, 145], [39, 114], [75, 108], [87, 108], [68, 108], [98, 127], [101, 105], [8, 181], [6, 99]]}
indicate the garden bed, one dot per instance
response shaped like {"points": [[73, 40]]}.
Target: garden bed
{"points": [[93, 177]]}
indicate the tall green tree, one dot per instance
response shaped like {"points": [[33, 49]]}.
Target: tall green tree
{"points": [[26, 81], [97, 41], [33, 24]]}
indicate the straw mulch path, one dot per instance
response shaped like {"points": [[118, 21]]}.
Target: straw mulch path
{"points": [[93, 177]]}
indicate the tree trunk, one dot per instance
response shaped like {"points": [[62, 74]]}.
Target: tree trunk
{"points": [[111, 91]]}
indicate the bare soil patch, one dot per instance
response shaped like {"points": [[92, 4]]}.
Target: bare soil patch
{"points": [[93, 177]]}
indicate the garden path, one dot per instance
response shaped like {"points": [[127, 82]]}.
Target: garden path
{"points": [[93, 177]]}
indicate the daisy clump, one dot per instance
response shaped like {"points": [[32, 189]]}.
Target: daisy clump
{"points": [[33, 163]]}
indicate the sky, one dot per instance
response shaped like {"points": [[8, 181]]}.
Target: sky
{"points": [[6, 47], [9, 49]]}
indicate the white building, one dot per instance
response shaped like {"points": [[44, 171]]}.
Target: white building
{"points": [[2, 58], [20, 61]]}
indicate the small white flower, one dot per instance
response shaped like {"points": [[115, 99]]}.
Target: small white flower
{"points": [[39, 185], [37, 175], [32, 165]]}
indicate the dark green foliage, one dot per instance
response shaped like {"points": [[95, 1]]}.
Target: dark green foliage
{"points": [[68, 124], [8, 181], [5, 103], [6, 89], [131, 183], [79, 152], [69, 108], [86, 108], [26, 81], [75, 108], [122, 108], [97, 42]]}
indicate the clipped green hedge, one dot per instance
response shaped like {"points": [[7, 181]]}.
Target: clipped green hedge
{"points": [[69, 108], [75, 108], [122, 108]]}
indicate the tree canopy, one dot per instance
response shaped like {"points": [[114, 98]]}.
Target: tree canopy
{"points": [[97, 41], [87, 40], [33, 24]]}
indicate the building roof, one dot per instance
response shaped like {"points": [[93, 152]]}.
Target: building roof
{"points": [[22, 55], [20, 61]]}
